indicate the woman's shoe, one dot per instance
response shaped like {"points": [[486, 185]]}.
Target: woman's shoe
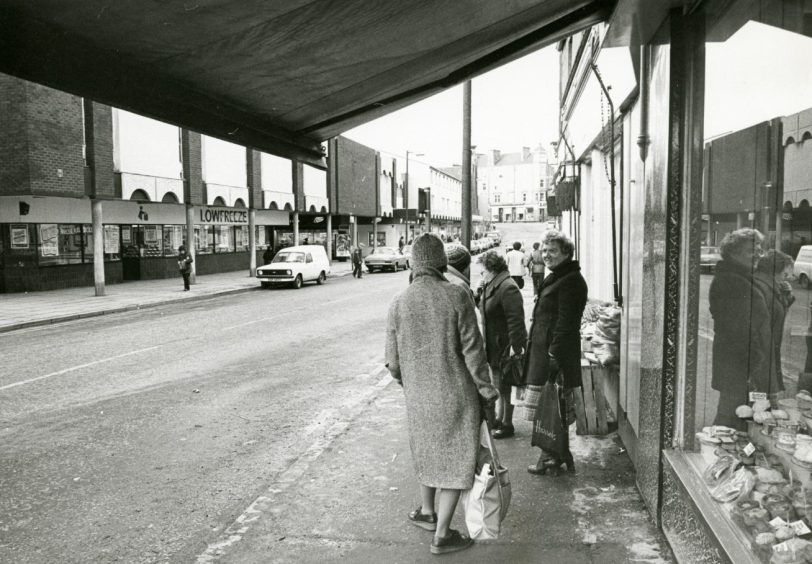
{"points": [[503, 432], [544, 466], [427, 522], [451, 543]]}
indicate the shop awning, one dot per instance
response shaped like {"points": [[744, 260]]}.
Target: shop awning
{"points": [[280, 76]]}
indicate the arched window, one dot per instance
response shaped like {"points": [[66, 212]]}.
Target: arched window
{"points": [[140, 196], [288, 207], [219, 201], [238, 203], [273, 206], [169, 198], [313, 209]]}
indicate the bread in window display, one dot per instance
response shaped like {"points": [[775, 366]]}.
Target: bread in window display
{"points": [[737, 485], [744, 412]]}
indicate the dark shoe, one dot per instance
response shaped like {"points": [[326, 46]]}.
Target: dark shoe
{"points": [[503, 432], [545, 465], [428, 522], [452, 543]]}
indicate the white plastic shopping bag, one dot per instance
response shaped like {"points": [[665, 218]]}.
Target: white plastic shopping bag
{"points": [[487, 502]]}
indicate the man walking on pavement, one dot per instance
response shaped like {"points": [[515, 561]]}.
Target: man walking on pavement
{"points": [[536, 265], [515, 261], [357, 261]]}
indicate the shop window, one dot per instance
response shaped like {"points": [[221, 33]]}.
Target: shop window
{"points": [[112, 244], [241, 238], [754, 350], [60, 243], [204, 239], [173, 239], [224, 238], [262, 236]]}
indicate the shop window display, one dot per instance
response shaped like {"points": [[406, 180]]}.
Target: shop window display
{"points": [[224, 238], [262, 236], [241, 238], [753, 405], [60, 243], [112, 245], [204, 239], [173, 239]]}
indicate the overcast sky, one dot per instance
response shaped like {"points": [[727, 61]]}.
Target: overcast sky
{"points": [[513, 106]]}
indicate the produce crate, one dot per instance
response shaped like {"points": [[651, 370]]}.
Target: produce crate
{"points": [[591, 410]]}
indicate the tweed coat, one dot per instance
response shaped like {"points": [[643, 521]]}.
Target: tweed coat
{"points": [[742, 334], [778, 300], [434, 349], [555, 333], [502, 311]]}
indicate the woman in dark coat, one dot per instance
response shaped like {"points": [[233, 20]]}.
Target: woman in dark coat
{"points": [[185, 266], [741, 327], [434, 349], [554, 347], [502, 308], [773, 273]]}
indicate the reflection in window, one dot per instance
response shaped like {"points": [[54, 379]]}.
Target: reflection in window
{"points": [[204, 239]]}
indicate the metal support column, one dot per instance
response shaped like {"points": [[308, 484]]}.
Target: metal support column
{"points": [[466, 165], [252, 242], [98, 246], [190, 240]]}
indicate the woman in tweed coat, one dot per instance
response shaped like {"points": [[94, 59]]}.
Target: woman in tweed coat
{"points": [[434, 349]]}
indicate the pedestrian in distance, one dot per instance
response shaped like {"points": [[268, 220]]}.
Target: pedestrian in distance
{"points": [[401, 244], [502, 309], [516, 264], [267, 256], [357, 261], [185, 266], [535, 263], [742, 336], [434, 350], [554, 344]]}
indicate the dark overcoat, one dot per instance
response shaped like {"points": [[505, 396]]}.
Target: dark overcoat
{"points": [[742, 333], [555, 333], [502, 309], [434, 348]]}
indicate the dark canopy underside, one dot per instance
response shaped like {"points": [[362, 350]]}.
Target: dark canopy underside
{"points": [[280, 76]]}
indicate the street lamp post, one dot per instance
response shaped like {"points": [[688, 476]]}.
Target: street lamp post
{"points": [[416, 154]]}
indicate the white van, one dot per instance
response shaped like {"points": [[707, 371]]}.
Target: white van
{"points": [[803, 266], [295, 266]]}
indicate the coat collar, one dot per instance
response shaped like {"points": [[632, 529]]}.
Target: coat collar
{"points": [[495, 282], [457, 274], [558, 273], [426, 271]]}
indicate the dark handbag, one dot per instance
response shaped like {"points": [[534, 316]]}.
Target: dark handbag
{"points": [[512, 368], [548, 430]]}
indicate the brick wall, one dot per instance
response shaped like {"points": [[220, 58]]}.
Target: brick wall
{"points": [[103, 150], [254, 177], [38, 279], [13, 137], [55, 140], [192, 167], [354, 177]]}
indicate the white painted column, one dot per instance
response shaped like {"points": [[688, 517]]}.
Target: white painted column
{"points": [[330, 238], [295, 228], [98, 246], [190, 240], [252, 242]]}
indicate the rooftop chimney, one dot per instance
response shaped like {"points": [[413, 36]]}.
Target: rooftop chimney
{"points": [[497, 154]]}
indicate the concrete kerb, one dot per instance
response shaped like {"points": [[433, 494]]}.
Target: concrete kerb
{"points": [[133, 307]]}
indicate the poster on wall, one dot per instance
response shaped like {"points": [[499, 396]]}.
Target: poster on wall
{"points": [[342, 246], [19, 236], [49, 240], [111, 245]]}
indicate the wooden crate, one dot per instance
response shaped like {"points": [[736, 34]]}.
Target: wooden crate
{"points": [[590, 402]]}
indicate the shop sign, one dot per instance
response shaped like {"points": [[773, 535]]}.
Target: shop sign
{"points": [[223, 216]]}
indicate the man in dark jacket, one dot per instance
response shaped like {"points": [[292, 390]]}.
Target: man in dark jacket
{"points": [[357, 261], [185, 266], [741, 327]]}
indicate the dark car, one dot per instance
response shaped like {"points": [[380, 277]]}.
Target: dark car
{"points": [[708, 258]]}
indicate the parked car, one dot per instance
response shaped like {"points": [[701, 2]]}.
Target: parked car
{"points": [[495, 237], [477, 246], [295, 266], [708, 257], [803, 266], [386, 258]]}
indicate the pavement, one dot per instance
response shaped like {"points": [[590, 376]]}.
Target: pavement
{"points": [[346, 499], [29, 309]]}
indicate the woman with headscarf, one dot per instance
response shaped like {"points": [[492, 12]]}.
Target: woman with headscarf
{"points": [[434, 350], [742, 336], [554, 346], [502, 309]]}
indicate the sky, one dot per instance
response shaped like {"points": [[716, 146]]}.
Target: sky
{"points": [[513, 106]]}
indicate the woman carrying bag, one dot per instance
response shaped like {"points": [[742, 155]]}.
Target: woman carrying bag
{"points": [[502, 308], [554, 352]]}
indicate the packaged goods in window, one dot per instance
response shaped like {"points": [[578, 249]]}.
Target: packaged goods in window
{"points": [[737, 484]]}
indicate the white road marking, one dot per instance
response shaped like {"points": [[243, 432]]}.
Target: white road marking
{"points": [[71, 369]]}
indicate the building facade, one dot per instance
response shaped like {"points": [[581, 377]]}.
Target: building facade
{"points": [[514, 184], [676, 131]]}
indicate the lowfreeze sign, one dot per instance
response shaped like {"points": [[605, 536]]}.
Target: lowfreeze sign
{"points": [[222, 216]]}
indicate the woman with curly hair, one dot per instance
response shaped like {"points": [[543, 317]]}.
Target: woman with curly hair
{"points": [[554, 347], [502, 308]]}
